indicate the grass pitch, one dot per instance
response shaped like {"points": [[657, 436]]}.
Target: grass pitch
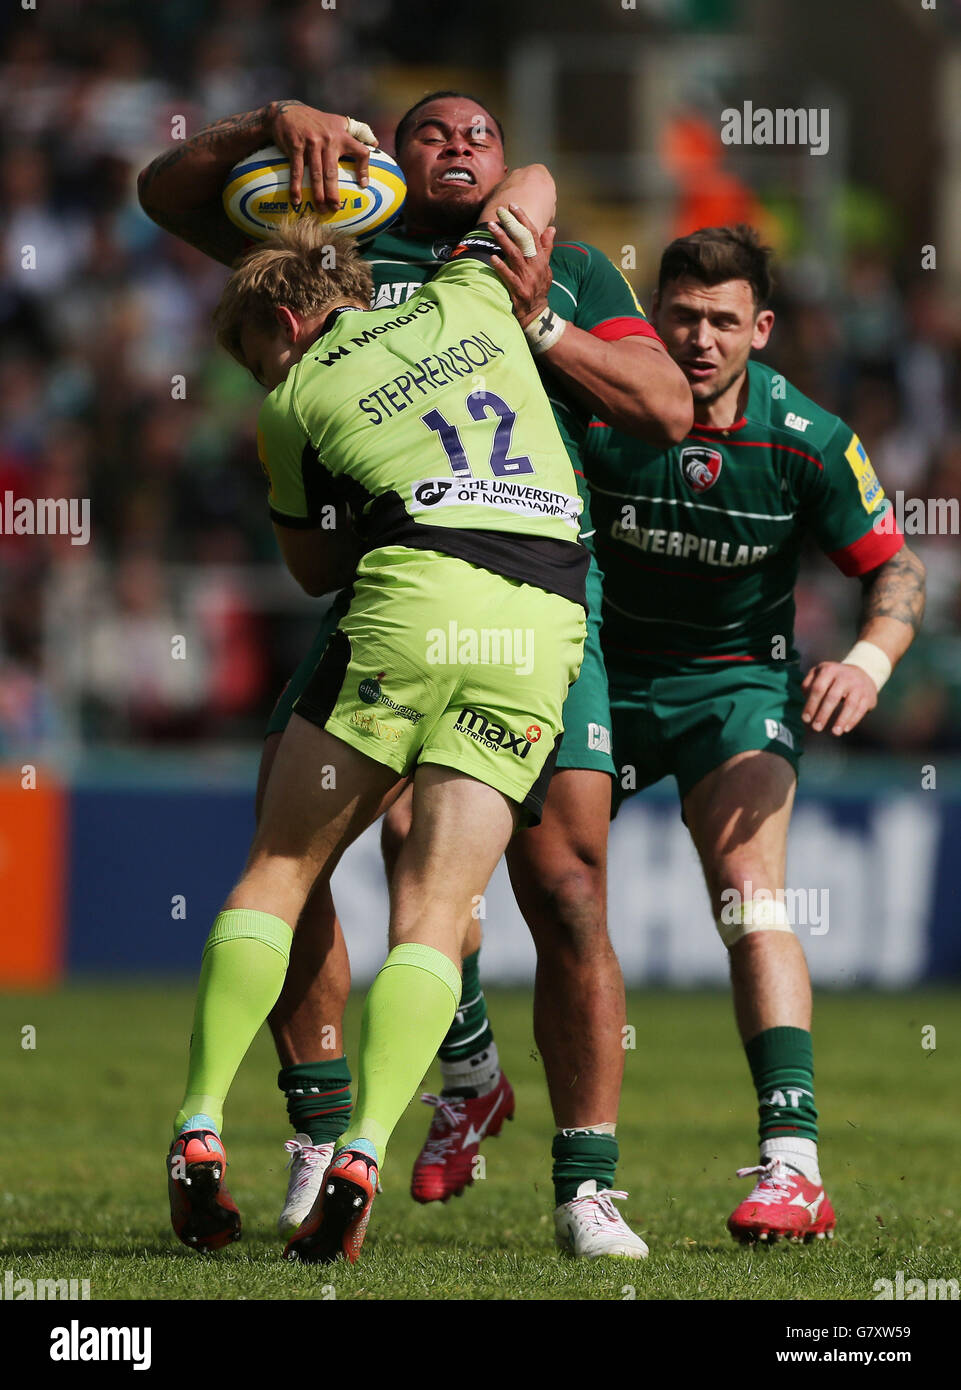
{"points": [[87, 1115]]}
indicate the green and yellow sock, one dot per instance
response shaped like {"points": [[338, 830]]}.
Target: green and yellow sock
{"points": [[241, 976], [407, 1012]]}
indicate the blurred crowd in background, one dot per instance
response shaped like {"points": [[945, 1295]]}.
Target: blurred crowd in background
{"points": [[94, 339]]}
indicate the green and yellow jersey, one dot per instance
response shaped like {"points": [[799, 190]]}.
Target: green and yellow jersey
{"points": [[586, 289], [591, 293], [432, 425], [700, 544]]}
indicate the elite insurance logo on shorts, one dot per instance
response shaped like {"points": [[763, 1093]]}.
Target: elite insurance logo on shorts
{"points": [[497, 736], [370, 692]]}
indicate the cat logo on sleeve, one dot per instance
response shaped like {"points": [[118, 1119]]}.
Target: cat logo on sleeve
{"points": [[869, 484]]}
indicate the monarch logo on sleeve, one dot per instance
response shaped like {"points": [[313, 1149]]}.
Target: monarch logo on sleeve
{"points": [[869, 485]]}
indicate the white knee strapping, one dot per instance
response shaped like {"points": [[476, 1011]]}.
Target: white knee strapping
{"points": [[757, 914]]}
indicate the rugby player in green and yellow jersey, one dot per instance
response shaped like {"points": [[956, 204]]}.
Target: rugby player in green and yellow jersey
{"points": [[607, 359], [466, 510], [700, 548]]}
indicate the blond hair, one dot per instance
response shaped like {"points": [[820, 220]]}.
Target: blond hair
{"points": [[303, 266]]}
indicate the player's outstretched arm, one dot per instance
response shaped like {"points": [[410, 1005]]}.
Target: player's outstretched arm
{"points": [[632, 383], [891, 612], [530, 188], [181, 189]]}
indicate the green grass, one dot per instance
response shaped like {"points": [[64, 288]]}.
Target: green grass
{"points": [[82, 1188]]}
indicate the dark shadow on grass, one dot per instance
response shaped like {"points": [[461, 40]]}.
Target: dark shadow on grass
{"points": [[64, 1243]]}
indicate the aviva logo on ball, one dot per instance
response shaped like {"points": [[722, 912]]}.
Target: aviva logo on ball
{"points": [[257, 195]]}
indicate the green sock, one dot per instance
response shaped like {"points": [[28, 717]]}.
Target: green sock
{"points": [[580, 1156], [469, 1064], [782, 1065], [318, 1098], [406, 1014], [241, 976], [471, 1031]]}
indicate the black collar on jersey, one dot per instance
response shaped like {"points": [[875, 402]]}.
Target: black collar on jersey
{"points": [[335, 314]]}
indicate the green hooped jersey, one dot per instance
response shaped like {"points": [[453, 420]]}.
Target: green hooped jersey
{"points": [[431, 423], [700, 544], [587, 290]]}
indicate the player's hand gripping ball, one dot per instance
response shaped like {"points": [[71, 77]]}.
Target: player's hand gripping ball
{"points": [[257, 195]]}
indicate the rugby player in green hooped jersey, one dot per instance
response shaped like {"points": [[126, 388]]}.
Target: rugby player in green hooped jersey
{"points": [[700, 548], [481, 530], [607, 359]]}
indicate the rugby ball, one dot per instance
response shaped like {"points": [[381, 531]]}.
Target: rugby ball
{"points": [[257, 195]]}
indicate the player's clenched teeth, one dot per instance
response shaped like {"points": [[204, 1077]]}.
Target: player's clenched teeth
{"points": [[457, 176]]}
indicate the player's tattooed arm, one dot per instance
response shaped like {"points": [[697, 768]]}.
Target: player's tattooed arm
{"points": [[891, 612], [181, 189], [893, 603]]}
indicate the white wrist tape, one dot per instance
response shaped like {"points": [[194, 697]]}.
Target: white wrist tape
{"points": [[871, 659], [522, 238], [361, 132], [544, 331]]}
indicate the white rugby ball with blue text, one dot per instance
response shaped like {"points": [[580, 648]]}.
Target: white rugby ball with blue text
{"points": [[257, 195]]}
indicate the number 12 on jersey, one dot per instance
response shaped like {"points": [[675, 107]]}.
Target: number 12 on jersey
{"points": [[478, 403]]}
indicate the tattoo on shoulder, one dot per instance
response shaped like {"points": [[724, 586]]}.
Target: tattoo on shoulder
{"points": [[207, 138], [896, 590], [204, 227], [157, 166]]}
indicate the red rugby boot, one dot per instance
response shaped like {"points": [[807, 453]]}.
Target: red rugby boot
{"points": [[202, 1211], [444, 1166], [784, 1203], [337, 1222]]}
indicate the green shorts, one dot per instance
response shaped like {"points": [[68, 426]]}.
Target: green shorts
{"points": [[688, 724], [439, 661], [587, 711]]}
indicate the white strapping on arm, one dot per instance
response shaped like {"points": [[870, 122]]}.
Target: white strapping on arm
{"points": [[871, 659]]}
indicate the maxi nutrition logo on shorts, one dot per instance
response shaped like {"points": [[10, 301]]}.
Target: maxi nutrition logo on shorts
{"points": [[497, 736], [46, 516]]}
